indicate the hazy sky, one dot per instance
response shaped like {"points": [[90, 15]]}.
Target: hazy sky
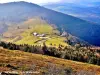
{"points": [[48, 1], [33, 1]]}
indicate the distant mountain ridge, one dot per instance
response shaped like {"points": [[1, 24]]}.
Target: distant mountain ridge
{"points": [[17, 12], [91, 10]]}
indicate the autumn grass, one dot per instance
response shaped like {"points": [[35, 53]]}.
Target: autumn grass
{"points": [[25, 60]]}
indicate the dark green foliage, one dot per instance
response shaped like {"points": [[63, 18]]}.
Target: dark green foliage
{"points": [[25, 47], [77, 53]]}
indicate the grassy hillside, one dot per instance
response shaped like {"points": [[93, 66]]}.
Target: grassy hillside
{"points": [[22, 61], [22, 11], [23, 33]]}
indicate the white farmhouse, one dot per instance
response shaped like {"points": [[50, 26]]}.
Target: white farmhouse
{"points": [[35, 34]]}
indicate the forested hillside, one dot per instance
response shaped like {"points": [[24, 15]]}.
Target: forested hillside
{"points": [[80, 28]]}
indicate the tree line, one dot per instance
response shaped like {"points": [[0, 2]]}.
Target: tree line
{"points": [[76, 53]]}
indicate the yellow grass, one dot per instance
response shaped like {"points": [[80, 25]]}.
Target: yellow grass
{"points": [[28, 59], [23, 34]]}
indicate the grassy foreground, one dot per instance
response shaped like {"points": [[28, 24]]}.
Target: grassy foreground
{"points": [[22, 61]]}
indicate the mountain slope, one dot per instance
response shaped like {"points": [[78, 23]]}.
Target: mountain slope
{"points": [[75, 26], [22, 61], [85, 10], [23, 33]]}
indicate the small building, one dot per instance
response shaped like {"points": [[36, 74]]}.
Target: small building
{"points": [[43, 35], [35, 34], [64, 34], [39, 35]]}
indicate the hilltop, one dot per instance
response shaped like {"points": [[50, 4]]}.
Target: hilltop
{"points": [[20, 12]]}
